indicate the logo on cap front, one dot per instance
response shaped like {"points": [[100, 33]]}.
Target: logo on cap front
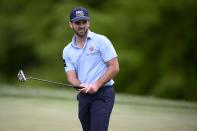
{"points": [[79, 13]]}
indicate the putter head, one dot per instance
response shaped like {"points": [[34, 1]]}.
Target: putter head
{"points": [[21, 76]]}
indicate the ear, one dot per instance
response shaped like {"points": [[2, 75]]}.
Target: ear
{"points": [[88, 24], [70, 24]]}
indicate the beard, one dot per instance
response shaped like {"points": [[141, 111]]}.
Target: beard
{"points": [[81, 32]]}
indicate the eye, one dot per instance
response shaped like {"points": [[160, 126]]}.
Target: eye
{"points": [[81, 22]]}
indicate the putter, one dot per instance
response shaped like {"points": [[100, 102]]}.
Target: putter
{"points": [[22, 78]]}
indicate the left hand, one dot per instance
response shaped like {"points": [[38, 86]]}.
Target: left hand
{"points": [[90, 89]]}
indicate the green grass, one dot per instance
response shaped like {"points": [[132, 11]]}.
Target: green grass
{"points": [[51, 109]]}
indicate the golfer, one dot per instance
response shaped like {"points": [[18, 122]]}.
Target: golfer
{"points": [[90, 61]]}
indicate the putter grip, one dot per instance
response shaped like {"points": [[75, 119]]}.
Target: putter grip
{"points": [[78, 87]]}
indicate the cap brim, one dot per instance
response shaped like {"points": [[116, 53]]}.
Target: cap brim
{"points": [[80, 18]]}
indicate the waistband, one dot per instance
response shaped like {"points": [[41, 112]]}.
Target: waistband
{"points": [[103, 88]]}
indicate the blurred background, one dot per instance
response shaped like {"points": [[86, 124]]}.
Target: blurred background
{"points": [[155, 42]]}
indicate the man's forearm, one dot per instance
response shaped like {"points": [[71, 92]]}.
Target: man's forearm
{"points": [[112, 70], [108, 75], [74, 82], [72, 78]]}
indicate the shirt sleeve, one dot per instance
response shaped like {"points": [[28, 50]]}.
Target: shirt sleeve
{"points": [[107, 50], [68, 65]]}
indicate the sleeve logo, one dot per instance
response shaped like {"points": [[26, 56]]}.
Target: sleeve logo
{"points": [[64, 62]]}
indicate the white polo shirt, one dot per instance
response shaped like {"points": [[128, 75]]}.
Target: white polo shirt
{"points": [[89, 62]]}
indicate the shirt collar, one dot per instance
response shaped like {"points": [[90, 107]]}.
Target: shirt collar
{"points": [[89, 36]]}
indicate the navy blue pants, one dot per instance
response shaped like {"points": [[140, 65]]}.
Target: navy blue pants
{"points": [[95, 109]]}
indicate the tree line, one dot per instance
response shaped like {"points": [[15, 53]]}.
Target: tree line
{"points": [[155, 41]]}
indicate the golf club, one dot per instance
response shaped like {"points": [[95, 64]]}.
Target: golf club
{"points": [[22, 78]]}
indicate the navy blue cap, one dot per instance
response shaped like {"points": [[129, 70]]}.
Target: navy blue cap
{"points": [[79, 13]]}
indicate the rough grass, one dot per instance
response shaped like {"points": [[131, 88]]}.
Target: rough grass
{"points": [[51, 109]]}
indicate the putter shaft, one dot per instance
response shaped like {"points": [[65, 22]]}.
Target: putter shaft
{"points": [[22, 78], [62, 84], [53, 82]]}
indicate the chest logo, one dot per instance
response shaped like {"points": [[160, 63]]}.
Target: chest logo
{"points": [[91, 49]]}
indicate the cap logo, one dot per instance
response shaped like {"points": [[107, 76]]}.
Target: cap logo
{"points": [[79, 13]]}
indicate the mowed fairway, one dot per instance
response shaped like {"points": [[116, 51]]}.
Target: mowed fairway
{"points": [[40, 109]]}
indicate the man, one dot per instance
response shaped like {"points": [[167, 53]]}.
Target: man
{"points": [[90, 61]]}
